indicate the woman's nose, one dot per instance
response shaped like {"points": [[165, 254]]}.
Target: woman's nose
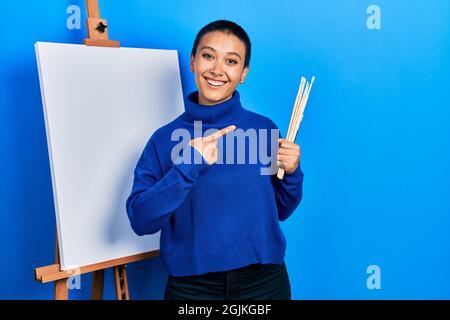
{"points": [[216, 70], [216, 73]]}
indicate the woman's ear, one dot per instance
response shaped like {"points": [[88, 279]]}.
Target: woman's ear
{"points": [[191, 64], [244, 74]]}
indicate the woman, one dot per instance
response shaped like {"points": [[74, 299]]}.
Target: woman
{"points": [[219, 222]]}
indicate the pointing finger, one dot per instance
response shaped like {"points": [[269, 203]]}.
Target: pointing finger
{"points": [[220, 133]]}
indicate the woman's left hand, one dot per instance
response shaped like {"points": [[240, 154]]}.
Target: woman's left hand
{"points": [[288, 155]]}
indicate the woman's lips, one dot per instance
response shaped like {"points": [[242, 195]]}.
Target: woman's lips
{"points": [[207, 80]]}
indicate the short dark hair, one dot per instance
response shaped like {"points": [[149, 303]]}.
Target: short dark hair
{"points": [[227, 27]]}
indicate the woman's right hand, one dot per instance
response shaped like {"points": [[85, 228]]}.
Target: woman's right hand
{"points": [[207, 146]]}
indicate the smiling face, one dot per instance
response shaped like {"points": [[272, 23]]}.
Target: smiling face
{"points": [[218, 66]]}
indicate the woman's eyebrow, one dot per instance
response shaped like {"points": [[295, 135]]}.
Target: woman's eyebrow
{"points": [[208, 47]]}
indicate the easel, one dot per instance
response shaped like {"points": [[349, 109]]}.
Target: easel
{"points": [[54, 273], [97, 36]]}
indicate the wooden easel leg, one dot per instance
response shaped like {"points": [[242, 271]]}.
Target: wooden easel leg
{"points": [[97, 284], [61, 290], [121, 281]]}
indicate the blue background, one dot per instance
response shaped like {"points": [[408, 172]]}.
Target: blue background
{"points": [[374, 137]]}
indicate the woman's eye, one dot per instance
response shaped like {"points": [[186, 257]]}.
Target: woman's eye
{"points": [[208, 56]]}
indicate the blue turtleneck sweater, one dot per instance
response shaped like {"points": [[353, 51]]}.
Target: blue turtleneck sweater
{"points": [[213, 217]]}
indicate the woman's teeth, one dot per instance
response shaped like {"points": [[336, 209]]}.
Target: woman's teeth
{"points": [[215, 83]]}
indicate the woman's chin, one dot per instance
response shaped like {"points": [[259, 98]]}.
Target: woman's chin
{"points": [[213, 97]]}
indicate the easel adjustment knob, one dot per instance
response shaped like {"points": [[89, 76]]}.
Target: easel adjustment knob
{"points": [[101, 27]]}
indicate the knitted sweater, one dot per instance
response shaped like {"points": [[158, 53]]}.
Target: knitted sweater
{"points": [[213, 217]]}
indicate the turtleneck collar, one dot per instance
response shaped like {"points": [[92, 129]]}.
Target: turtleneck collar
{"points": [[222, 113]]}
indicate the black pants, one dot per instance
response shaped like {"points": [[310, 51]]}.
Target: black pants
{"points": [[253, 282]]}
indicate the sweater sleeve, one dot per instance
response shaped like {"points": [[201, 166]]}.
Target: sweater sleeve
{"points": [[289, 191], [155, 196]]}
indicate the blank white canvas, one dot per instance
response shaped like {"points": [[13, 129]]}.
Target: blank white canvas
{"points": [[101, 105]]}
